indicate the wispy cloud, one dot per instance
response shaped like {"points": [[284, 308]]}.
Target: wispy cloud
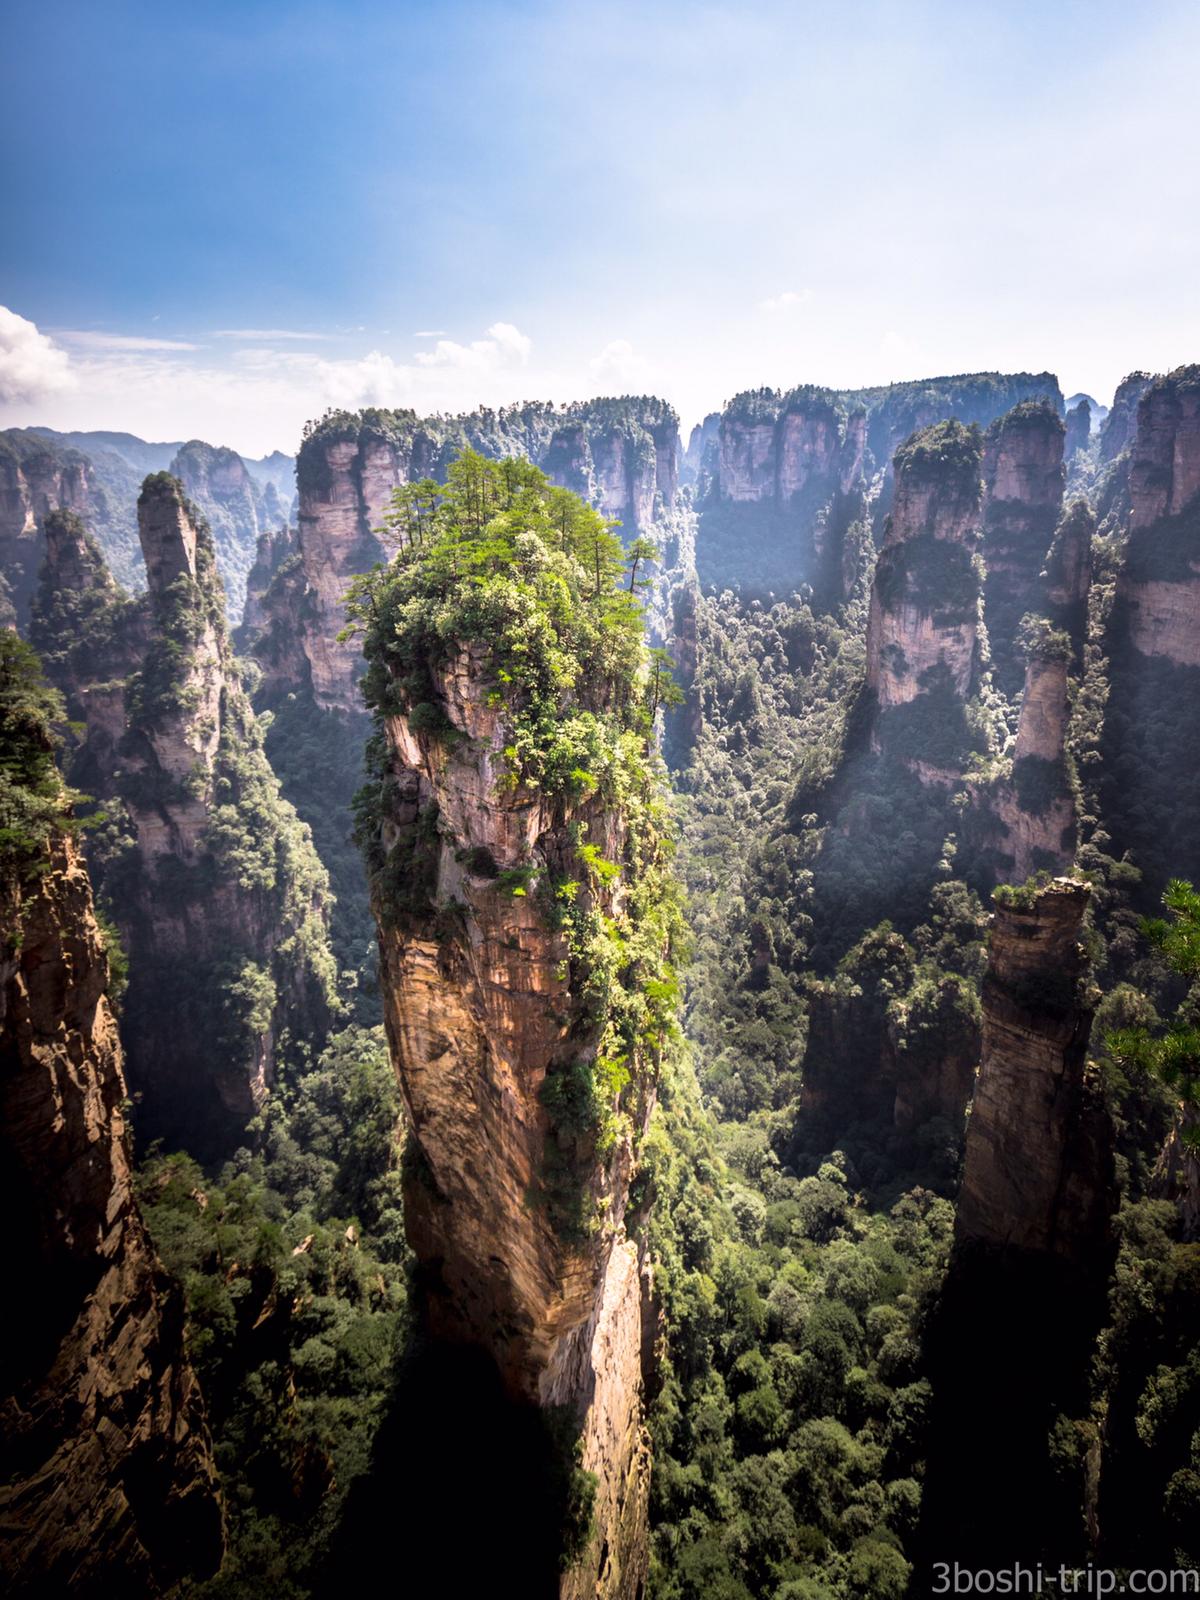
{"points": [[787, 301], [31, 365], [505, 345], [120, 341], [429, 333], [268, 335]]}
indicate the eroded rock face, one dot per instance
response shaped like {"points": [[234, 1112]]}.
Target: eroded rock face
{"points": [[1023, 477], [210, 876], [108, 1479], [1067, 577], [776, 449], [480, 1008], [1037, 807], [1159, 589], [1038, 1174], [275, 546], [1121, 423], [33, 482], [621, 455], [922, 632]]}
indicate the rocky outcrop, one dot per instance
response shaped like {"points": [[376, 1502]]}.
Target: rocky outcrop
{"points": [[1036, 806], [701, 456], [1121, 423], [35, 479], [1067, 576], [621, 455], [923, 653], [776, 448], [1038, 1172], [1079, 430], [275, 546], [234, 505], [1032, 1251], [1023, 478], [107, 1482], [210, 876], [519, 1216]]}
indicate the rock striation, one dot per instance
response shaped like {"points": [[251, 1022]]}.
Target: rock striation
{"points": [[489, 893], [107, 1482], [1023, 478], [209, 874], [1121, 423]]}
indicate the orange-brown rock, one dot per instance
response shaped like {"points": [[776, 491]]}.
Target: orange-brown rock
{"points": [[108, 1484], [480, 1008]]}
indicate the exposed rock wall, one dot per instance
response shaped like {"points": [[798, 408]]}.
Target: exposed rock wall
{"points": [[1067, 577], [1032, 1252], [1023, 478], [923, 628], [481, 1006], [234, 505], [210, 876], [621, 455], [107, 1483], [34, 480], [1037, 1174], [1121, 423], [1148, 778]]}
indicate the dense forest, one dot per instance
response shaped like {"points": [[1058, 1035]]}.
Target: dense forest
{"points": [[727, 963]]}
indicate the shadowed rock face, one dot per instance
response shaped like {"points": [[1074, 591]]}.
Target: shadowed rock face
{"points": [[1067, 578], [1032, 1252], [34, 482], [211, 879], [1037, 806], [1148, 776], [480, 1007], [1023, 477], [922, 632], [1121, 423], [108, 1480], [1037, 1174]]}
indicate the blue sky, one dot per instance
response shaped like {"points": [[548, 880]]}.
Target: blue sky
{"points": [[221, 218]]}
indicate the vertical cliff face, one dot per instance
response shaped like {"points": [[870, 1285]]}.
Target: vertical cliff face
{"points": [[34, 480], [275, 546], [1067, 577], [1079, 430], [1038, 1174], [209, 874], [1031, 1252], [1036, 806], [1023, 478], [1121, 423], [107, 1482], [232, 503], [524, 926], [776, 448], [621, 455], [1148, 777], [923, 654]]}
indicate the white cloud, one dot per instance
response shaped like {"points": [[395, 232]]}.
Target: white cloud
{"points": [[787, 301], [375, 380], [120, 341], [266, 335], [429, 333], [618, 364], [31, 365], [505, 345]]}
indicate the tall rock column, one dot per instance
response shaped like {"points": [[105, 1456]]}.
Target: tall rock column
{"points": [[207, 871], [1149, 785], [1010, 1348], [1023, 475], [1036, 806], [924, 659], [527, 994], [107, 1483]]}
